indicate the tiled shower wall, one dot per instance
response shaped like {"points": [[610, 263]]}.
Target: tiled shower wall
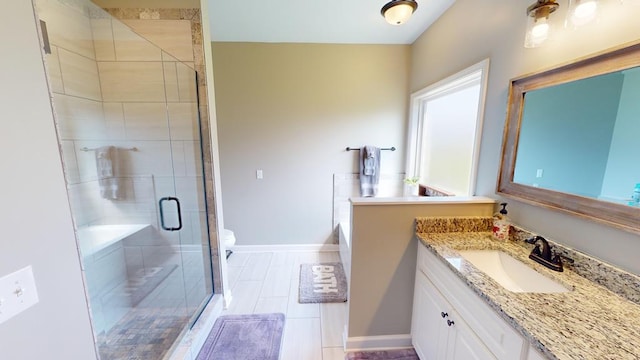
{"points": [[158, 26], [111, 87]]}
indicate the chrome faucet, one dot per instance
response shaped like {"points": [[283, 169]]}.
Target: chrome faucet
{"points": [[545, 256]]}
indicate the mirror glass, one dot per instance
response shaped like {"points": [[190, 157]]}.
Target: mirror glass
{"points": [[583, 137], [572, 138]]}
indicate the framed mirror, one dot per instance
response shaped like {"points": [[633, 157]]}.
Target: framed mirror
{"points": [[572, 138]]}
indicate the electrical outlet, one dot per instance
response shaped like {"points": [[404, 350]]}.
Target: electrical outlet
{"points": [[539, 173], [259, 175], [17, 293]]}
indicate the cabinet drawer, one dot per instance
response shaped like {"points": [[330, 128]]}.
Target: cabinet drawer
{"points": [[498, 336]]}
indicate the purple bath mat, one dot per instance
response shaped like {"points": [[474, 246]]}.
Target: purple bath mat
{"points": [[234, 337], [402, 354]]}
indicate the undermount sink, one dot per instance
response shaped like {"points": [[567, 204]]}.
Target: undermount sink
{"points": [[512, 274]]}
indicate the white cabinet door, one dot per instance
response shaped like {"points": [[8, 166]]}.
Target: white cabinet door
{"points": [[534, 354], [463, 344], [428, 327]]}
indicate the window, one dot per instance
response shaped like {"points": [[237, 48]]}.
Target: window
{"points": [[445, 129]]}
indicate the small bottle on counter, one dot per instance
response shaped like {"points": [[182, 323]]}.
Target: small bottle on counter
{"points": [[635, 198], [501, 224]]}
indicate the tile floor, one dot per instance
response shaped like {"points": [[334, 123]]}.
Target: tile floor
{"points": [[267, 282]]}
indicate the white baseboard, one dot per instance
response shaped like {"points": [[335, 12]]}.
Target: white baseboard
{"points": [[285, 247], [384, 342]]}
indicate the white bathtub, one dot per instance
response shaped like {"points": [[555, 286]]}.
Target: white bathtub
{"points": [[93, 239], [344, 242]]}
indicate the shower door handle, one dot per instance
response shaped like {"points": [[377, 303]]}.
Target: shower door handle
{"points": [[170, 198]]}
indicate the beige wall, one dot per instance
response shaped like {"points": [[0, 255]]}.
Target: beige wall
{"points": [[383, 261], [290, 110], [36, 221], [496, 30]]}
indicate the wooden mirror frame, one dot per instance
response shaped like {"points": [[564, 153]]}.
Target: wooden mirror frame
{"points": [[617, 215]]}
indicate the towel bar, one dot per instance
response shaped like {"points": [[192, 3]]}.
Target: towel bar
{"points": [[393, 148], [130, 149]]}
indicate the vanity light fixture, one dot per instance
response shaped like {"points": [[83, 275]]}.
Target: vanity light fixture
{"points": [[581, 12], [538, 27], [398, 12]]}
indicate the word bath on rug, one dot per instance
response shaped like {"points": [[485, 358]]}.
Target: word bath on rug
{"points": [[324, 282]]}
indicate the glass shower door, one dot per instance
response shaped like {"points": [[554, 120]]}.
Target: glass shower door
{"points": [[129, 132]]}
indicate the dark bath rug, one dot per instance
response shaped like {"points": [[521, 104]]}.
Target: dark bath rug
{"points": [[402, 354], [322, 283], [240, 337]]}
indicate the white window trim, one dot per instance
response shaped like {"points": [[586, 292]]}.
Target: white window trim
{"points": [[443, 87]]}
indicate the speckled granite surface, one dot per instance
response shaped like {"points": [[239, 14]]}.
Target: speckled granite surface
{"points": [[453, 224], [619, 281], [589, 322]]}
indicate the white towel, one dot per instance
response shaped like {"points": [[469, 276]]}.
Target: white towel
{"points": [[107, 165], [369, 170]]}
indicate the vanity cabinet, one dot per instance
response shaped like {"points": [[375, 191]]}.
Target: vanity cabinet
{"points": [[438, 331], [534, 355], [450, 321]]}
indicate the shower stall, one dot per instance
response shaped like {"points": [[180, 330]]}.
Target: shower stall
{"points": [[129, 132]]}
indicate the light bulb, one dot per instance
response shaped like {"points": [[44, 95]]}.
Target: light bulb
{"points": [[398, 14], [581, 12], [538, 32]]}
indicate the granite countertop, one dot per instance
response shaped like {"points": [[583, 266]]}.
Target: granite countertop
{"points": [[589, 322]]}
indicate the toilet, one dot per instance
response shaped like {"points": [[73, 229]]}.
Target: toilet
{"points": [[229, 239]]}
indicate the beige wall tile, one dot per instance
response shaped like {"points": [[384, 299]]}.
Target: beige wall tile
{"points": [[171, 81], [183, 120], [79, 118], [80, 75], [190, 64], [187, 158], [190, 190], [71, 172], [53, 69], [132, 81], [178, 156], [152, 158], [131, 46], [167, 57], [193, 158], [114, 120], [85, 202], [103, 39], [186, 83], [67, 27], [146, 121], [173, 36]]}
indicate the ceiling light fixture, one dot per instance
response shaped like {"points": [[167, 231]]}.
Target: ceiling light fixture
{"points": [[398, 12], [581, 12], [538, 27]]}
